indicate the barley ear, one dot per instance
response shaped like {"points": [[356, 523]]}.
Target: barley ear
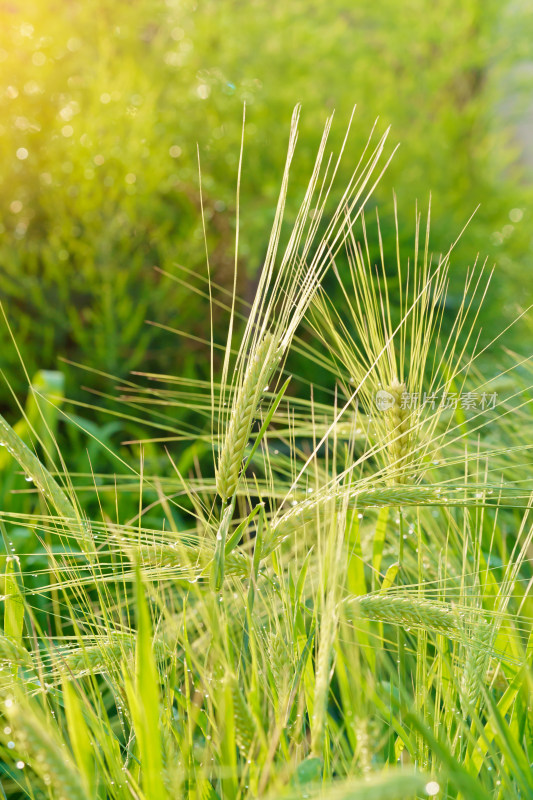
{"points": [[242, 719], [410, 612], [13, 653], [328, 632], [478, 651], [39, 745], [260, 367], [105, 655], [398, 425]]}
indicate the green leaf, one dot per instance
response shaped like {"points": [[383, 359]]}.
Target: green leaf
{"points": [[235, 537], [79, 735], [146, 718], [390, 576], [219, 560]]}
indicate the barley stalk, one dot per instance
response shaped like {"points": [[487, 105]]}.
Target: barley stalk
{"points": [[257, 375]]}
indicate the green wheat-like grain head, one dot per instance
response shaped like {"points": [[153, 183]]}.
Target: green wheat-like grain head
{"points": [[31, 736], [260, 367], [398, 424]]}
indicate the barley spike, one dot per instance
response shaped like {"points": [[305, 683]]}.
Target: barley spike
{"points": [[411, 612], [245, 404]]}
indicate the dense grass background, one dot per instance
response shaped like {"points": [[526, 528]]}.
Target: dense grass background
{"points": [[103, 107]]}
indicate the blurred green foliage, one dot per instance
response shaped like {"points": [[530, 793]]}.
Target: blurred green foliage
{"points": [[103, 106]]}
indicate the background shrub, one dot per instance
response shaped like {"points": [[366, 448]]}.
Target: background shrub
{"points": [[103, 106]]}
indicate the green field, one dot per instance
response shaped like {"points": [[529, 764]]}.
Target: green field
{"points": [[266, 406]]}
